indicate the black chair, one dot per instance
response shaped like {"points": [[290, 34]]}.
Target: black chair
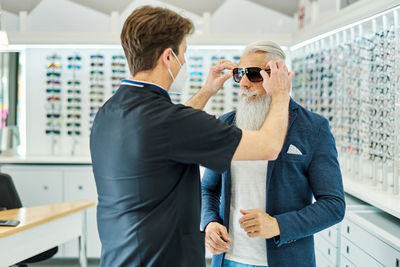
{"points": [[9, 199]]}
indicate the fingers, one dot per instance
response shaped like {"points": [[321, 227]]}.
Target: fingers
{"points": [[280, 64], [254, 234], [217, 242], [251, 229], [273, 66], [247, 224], [264, 74], [227, 75], [226, 65], [249, 215], [212, 249], [244, 212], [224, 234]]}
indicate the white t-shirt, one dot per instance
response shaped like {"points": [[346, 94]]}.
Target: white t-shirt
{"points": [[248, 180]]}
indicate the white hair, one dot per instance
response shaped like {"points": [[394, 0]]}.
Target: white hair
{"points": [[271, 49]]}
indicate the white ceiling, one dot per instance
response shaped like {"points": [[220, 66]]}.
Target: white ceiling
{"points": [[287, 7]]}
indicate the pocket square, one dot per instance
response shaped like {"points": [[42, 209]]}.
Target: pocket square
{"points": [[294, 150]]}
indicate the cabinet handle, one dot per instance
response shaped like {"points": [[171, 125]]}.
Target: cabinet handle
{"points": [[397, 262], [80, 187], [45, 187], [347, 249], [348, 229], [329, 233], [329, 251]]}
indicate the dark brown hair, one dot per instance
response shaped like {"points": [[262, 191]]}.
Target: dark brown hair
{"points": [[148, 31]]}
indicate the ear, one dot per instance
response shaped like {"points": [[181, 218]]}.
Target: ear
{"points": [[166, 57]]}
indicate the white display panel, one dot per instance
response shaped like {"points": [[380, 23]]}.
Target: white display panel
{"points": [[38, 142], [52, 64]]}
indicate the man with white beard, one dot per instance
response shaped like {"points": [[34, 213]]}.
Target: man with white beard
{"points": [[260, 213]]}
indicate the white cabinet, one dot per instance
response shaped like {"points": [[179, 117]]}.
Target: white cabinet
{"points": [[321, 260], [331, 235], [344, 262], [47, 184], [328, 250], [36, 185], [370, 235], [79, 184], [366, 237], [357, 255]]}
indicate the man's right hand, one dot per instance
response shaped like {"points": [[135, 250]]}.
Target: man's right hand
{"points": [[280, 79], [217, 238]]}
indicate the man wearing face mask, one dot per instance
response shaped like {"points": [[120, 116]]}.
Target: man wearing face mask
{"points": [[260, 213], [146, 151]]}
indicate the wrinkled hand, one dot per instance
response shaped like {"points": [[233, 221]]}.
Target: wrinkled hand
{"points": [[216, 79], [279, 80], [217, 238], [258, 223]]}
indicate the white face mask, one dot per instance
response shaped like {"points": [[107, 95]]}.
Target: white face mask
{"points": [[180, 80]]}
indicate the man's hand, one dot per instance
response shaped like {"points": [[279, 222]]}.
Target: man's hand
{"points": [[280, 79], [216, 79], [258, 223], [217, 238]]}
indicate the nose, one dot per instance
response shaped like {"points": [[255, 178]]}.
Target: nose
{"points": [[245, 83]]}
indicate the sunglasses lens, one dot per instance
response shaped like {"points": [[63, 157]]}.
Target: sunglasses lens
{"points": [[253, 74], [236, 75]]}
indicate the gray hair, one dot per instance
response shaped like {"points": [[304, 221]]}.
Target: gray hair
{"points": [[272, 50]]}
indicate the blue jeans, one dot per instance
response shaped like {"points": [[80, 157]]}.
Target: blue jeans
{"points": [[228, 263]]}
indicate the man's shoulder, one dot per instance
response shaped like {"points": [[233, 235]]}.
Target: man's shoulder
{"points": [[228, 117]]}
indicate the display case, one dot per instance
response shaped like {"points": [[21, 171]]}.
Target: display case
{"points": [[351, 77]]}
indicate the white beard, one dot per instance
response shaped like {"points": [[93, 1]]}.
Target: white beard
{"points": [[250, 115]]}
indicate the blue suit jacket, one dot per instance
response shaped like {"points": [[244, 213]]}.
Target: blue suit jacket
{"points": [[292, 181]]}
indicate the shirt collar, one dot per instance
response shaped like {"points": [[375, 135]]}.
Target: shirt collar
{"points": [[143, 84]]}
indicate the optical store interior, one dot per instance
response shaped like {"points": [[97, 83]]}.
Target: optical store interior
{"points": [[61, 60]]}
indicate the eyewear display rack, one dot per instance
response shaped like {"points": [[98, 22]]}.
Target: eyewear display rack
{"points": [[67, 85], [351, 77]]}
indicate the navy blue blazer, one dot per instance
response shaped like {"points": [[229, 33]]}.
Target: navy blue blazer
{"points": [[292, 182]]}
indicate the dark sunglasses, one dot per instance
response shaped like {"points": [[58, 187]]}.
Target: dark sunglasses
{"points": [[252, 73], [52, 90], [53, 132], [53, 115]]}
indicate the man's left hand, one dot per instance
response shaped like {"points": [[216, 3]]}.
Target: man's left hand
{"points": [[258, 223]]}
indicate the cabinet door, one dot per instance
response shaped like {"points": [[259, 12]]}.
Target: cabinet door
{"points": [[344, 262], [371, 244], [331, 234], [79, 184], [321, 260], [36, 185], [357, 255], [328, 250]]}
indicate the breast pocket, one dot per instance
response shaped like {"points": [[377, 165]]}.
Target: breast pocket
{"points": [[293, 157]]}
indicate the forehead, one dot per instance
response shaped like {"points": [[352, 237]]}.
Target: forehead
{"points": [[255, 59]]}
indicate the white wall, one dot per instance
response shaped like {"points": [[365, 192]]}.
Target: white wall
{"points": [[241, 16], [138, 3], [63, 15], [234, 16], [10, 21]]}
